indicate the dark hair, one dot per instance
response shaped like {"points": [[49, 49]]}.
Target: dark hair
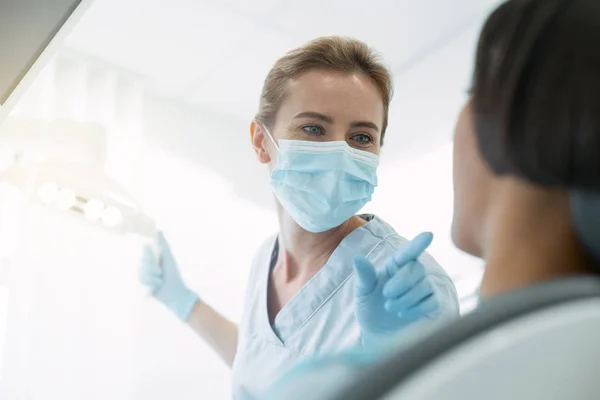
{"points": [[536, 92]]}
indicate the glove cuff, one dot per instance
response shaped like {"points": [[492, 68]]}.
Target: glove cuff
{"points": [[185, 304]]}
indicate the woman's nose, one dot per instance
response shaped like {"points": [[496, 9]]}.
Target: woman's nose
{"points": [[337, 135]]}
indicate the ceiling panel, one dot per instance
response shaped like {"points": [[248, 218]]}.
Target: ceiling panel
{"points": [[400, 29], [260, 9], [235, 87], [168, 46]]}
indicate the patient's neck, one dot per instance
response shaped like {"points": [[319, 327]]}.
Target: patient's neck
{"points": [[529, 239]]}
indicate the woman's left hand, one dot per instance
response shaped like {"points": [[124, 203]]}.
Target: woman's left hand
{"points": [[391, 298]]}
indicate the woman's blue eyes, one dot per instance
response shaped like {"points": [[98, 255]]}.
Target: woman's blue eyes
{"points": [[313, 129], [363, 139], [316, 130]]}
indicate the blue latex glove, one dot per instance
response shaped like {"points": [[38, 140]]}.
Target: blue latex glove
{"points": [[393, 297], [162, 277]]}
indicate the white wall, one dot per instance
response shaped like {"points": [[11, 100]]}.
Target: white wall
{"points": [[190, 179]]}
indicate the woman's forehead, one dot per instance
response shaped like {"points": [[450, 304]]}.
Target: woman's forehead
{"points": [[345, 95]]}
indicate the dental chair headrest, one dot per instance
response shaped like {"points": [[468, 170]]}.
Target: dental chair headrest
{"points": [[585, 211]]}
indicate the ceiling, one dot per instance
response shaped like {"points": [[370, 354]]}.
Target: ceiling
{"points": [[214, 54]]}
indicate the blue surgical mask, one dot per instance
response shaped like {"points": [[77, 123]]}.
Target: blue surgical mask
{"points": [[322, 184]]}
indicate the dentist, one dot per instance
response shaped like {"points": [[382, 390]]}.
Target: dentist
{"points": [[317, 286]]}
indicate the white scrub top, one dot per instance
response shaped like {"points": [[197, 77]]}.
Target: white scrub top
{"points": [[325, 377], [320, 318]]}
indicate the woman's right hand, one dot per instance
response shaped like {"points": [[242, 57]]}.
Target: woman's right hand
{"points": [[159, 272]]}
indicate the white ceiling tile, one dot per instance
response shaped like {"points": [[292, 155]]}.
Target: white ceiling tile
{"points": [[235, 88], [253, 8], [169, 45], [399, 29]]}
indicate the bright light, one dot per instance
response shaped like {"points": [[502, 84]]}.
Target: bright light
{"points": [[65, 199], [93, 209], [47, 192], [111, 217]]}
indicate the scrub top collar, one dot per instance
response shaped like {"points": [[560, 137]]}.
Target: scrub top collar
{"points": [[317, 291]]}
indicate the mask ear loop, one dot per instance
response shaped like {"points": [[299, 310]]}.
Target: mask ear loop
{"points": [[270, 136]]}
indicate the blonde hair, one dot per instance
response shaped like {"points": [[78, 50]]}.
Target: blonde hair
{"points": [[334, 53]]}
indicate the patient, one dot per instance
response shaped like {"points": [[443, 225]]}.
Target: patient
{"points": [[526, 160], [527, 140]]}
